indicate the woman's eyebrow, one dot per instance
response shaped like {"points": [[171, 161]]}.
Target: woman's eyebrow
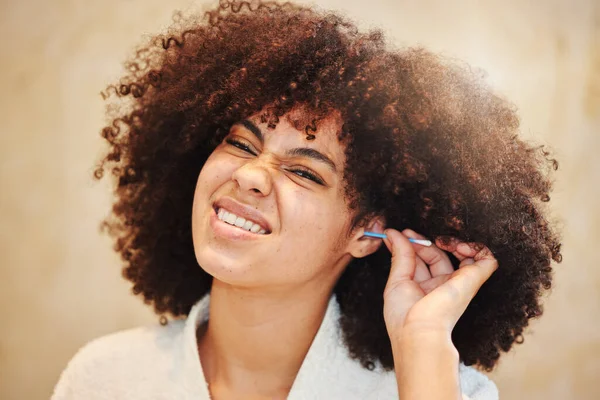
{"points": [[296, 152], [254, 129], [312, 153]]}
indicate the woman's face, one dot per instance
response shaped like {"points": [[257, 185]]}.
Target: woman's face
{"points": [[269, 207]]}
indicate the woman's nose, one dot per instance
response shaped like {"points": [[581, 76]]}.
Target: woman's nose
{"points": [[253, 177]]}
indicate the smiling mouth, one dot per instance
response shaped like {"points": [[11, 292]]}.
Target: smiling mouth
{"points": [[240, 222]]}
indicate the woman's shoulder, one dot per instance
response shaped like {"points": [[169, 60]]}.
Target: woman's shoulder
{"points": [[108, 365], [123, 342], [142, 343]]}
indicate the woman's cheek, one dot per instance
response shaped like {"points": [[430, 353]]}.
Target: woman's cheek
{"points": [[218, 168], [316, 221]]}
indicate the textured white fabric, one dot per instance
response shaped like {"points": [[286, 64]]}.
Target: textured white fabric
{"points": [[162, 362]]}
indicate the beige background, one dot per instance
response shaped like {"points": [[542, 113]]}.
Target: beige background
{"points": [[60, 283]]}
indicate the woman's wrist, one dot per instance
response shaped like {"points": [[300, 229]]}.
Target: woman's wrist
{"points": [[426, 365]]}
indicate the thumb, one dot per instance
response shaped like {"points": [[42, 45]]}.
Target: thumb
{"points": [[401, 291], [404, 259]]}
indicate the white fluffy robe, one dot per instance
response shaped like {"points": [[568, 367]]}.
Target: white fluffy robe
{"points": [[162, 362]]}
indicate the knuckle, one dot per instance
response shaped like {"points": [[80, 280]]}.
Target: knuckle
{"points": [[495, 264]]}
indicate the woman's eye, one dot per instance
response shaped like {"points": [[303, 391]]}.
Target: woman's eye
{"points": [[300, 172], [240, 145], [305, 174]]}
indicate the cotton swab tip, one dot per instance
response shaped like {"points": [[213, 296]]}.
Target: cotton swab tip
{"points": [[422, 242]]}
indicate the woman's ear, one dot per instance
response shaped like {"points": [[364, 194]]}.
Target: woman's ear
{"points": [[362, 246]]}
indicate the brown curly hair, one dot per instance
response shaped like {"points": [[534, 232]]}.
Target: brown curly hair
{"points": [[429, 146]]}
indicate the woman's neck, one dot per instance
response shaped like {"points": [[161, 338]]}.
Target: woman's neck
{"points": [[255, 343]]}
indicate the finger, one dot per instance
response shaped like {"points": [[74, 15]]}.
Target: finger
{"points": [[451, 247], [465, 262], [404, 260], [469, 278], [421, 272], [485, 258], [401, 291], [438, 261], [467, 252], [457, 248], [433, 283]]}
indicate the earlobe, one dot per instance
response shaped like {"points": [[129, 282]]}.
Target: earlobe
{"points": [[362, 246]]}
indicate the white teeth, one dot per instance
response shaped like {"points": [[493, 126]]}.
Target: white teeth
{"points": [[230, 218], [240, 222], [255, 228]]}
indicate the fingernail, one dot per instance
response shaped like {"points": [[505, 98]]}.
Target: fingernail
{"points": [[389, 235], [464, 247], [409, 233]]}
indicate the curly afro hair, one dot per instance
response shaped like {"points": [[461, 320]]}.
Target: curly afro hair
{"points": [[428, 144]]}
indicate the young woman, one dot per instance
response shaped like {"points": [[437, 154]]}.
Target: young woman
{"points": [[258, 147]]}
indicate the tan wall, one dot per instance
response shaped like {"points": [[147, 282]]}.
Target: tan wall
{"points": [[60, 283]]}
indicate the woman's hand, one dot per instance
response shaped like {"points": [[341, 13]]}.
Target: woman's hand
{"points": [[423, 299], [424, 294]]}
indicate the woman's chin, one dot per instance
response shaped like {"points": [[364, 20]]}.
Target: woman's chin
{"points": [[227, 269]]}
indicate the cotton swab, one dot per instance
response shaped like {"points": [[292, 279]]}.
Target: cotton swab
{"points": [[383, 236]]}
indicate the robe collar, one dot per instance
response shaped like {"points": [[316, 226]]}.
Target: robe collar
{"points": [[326, 372]]}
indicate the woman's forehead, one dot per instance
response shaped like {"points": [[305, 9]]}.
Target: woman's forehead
{"points": [[292, 131], [305, 123]]}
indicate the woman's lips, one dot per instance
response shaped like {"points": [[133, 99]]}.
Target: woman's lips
{"points": [[239, 222], [225, 230], [242, 210]]}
